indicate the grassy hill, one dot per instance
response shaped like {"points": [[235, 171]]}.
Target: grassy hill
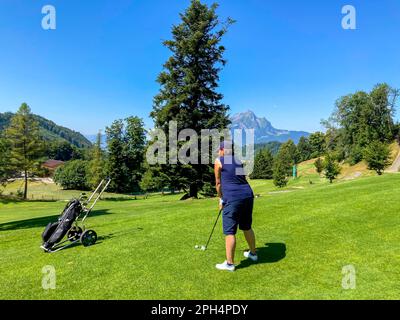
{"points": [[306, 234], [51, 131], [307, 172]]}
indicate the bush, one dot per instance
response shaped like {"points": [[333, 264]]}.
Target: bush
{"points": [[319, 165], [20, 193], [377, 156], [73, 175], [208, 190]]}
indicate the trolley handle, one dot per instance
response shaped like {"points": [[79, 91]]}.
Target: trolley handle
{"points": [[105, 183], [108, 181]]}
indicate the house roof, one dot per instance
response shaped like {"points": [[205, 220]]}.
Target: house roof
{"points": [[53, 164]]}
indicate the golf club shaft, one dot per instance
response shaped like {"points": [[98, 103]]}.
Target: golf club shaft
{"points": [[212, 232]]}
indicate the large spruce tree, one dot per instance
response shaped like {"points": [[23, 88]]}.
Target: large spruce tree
{"points": [[189, 82]]}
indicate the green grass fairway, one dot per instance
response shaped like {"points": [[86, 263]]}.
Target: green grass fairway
{"points": [[305, 235]]}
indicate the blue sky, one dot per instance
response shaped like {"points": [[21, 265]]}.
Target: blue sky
{"points": [[288, 60]]}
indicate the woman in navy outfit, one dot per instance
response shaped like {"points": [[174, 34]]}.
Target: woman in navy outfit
{"points": [[236, 200]]}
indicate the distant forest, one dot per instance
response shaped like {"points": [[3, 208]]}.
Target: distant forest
{"points": [[273, 146]]}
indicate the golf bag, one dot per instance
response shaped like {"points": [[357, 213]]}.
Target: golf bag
{"points": [[56, 231], [71, 223]]}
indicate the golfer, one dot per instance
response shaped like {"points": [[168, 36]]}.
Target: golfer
{"points": [[236, 200]]}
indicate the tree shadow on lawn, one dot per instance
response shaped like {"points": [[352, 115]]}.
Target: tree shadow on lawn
{"points": [[102, 238], [120, 199], [41, 221], [117, 234], [271, 253], [8, 200]]}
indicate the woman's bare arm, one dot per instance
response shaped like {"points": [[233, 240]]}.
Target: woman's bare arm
{"points": [[217, 172]]}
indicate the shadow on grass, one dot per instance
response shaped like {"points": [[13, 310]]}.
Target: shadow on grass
{"points": [[7, 200], [121, 199], [102, 238], [117, 234], [41, 221], [271, 253]]}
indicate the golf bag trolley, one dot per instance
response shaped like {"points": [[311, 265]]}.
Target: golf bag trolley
{"points": [[71, 223]]}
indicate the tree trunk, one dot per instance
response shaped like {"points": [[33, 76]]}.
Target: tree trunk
{"points": [[193, 191], [26, 185]]}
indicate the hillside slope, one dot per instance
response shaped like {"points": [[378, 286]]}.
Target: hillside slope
{"points": [[51, 131], [395, 167], [307, 171]]}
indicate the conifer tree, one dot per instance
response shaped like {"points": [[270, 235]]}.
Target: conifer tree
{"points": [[332, 168], [189, 83], [25, 144], [263, 165]]}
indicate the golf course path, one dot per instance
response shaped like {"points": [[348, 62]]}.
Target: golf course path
{"points": [[394, 168]]}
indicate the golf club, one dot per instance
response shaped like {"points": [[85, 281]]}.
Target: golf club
{"points": [[204, 248]]}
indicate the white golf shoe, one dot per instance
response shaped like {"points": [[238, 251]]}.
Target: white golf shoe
{"points": [[225, 267], [249, 255]]}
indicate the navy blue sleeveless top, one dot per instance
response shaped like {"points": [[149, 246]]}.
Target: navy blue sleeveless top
{"points": [[234, 185]]}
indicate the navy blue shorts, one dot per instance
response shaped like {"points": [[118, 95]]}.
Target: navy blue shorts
{"points": [[237, 213]]}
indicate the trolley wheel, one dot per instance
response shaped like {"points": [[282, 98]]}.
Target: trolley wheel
{"points": [[88, 238], [74, 234]]}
